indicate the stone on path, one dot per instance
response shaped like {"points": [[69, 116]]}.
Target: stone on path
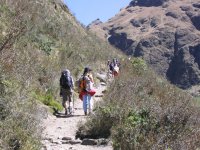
{"points": [[89, 142]]}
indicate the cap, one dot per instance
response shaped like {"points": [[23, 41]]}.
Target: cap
{"points": [[86, 70]]}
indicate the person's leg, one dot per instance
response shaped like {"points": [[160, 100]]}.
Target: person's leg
{"points": [[90, 103], [70, 107], [70, 102], [85, 97], [64, 102], [67, 100]]}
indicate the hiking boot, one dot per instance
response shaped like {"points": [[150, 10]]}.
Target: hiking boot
{"points": [[70, 110], [85, 113], [66, 113]]}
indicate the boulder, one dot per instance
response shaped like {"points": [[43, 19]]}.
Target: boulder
{"points": [[172, 14], [135, 23], [73, 142], [89, 142], [66, 138], [196, 5]]}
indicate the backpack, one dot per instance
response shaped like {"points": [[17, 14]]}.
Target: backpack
{"points": [[81, 84], [111, 66], [66, 81]]}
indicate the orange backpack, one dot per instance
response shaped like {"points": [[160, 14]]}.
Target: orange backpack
{"points": [[82, 84]]}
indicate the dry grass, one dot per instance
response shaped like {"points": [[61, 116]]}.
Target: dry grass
{"points": [[38, 39], [143, 111]]}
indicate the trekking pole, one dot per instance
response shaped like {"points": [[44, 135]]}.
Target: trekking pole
{"points": [[73, 103]]}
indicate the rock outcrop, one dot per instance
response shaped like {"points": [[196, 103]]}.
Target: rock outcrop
{"points": [[166, 33], [95, 22], [147, 3]]}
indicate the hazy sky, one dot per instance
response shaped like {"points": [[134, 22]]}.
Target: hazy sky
{"points": [[87, 11]]}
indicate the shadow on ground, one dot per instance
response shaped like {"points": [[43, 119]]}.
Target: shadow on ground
{"points": [[63, 115]]}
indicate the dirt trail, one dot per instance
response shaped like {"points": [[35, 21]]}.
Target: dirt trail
{"points": [[58, 127]]}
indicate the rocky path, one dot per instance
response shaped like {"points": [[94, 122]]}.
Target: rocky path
{"points": [[59, 131]]}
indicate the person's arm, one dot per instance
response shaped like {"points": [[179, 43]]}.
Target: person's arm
{"points": [[91, 78]]}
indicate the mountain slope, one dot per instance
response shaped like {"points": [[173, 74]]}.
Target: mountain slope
{"points": [[166, 33], [38, 39]]}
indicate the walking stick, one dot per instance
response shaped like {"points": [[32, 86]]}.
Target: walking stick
{"points": [[73, 102]]}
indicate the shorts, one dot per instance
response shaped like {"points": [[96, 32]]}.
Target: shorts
{"points": [[67, 95]]}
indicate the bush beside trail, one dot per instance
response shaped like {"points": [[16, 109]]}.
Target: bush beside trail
{"points": [[38, 39], [142, 111], [19, 119]]}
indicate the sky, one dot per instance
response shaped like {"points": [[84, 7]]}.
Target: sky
{"points": [[87, 11]]}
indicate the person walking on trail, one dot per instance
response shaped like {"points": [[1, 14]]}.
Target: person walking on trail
{"points": [[108, 63], [66, 86], [87, 90], [114, 67], [109, 72]]}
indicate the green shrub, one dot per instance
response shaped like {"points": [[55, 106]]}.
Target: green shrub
{"points": [[197, 101], [133, 130], [97, 126], [139, 65], [40, 38], [143, 111], [48, 99], [45, 44], [19, 125]]}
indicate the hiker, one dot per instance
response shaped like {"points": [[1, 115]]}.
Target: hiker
{"points": [[109, 72], [110, 67], [87, 90], [116, 62], [108, 63], [66, 86], [114, 67]]}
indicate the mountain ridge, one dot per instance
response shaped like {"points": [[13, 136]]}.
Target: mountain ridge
{"points": [[159, 33]]}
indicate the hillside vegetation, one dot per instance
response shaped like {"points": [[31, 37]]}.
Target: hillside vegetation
{"points": [[141, 111], [38, 39]]}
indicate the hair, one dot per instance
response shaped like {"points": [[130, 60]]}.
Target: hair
{"points": [[86, 70]]}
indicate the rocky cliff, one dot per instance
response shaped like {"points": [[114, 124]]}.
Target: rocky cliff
{"points": [[166, 33]]}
